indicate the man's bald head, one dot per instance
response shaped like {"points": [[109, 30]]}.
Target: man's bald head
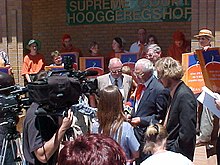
{"points": [[6, 80]]}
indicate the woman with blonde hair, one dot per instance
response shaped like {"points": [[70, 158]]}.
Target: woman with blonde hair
{"points": [[156, 137], [112, 122]]}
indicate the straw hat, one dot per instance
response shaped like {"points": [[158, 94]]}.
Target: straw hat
{"points": [[204, 32]]}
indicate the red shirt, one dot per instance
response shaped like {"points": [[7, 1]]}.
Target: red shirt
{"points": [[33, 64]]}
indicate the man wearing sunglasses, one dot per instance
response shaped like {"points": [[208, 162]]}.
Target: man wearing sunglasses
{"points": [[116, 77]]}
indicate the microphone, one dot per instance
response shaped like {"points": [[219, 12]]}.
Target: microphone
{"points": [[84, 109], [128, 107]]}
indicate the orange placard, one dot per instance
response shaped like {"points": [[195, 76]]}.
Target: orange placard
{"points": [[193, 74], [210, 65], [92, 63]]}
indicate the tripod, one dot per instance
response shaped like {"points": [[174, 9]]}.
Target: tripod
{"points": [[12, 141]]}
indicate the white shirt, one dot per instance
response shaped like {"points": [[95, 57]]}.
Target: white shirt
{"points": [[138, 101], [167, 158], [120, 84], [135, 47]]}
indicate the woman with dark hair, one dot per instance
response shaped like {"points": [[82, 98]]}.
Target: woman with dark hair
{"points": [[112, 121], [94, 49], [152, 39], [91, 149], [117, 48], [156, 137]]}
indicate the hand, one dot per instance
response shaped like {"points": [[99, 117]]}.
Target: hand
{"points": [[67, 121], [135, 121]]}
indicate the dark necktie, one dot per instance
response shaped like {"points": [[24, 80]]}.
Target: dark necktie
{"points": [[116, 82]]}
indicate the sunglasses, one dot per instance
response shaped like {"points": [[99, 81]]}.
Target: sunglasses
{"points": [[139, 74], [116, 71]]}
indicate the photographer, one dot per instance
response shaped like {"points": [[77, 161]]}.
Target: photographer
{"points": [[5, 81], [42, 136]]}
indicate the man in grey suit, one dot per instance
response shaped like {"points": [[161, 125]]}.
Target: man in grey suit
{"points": [[151, 102], [116, 77]]}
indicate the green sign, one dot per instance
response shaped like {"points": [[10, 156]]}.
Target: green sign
{"points": [[127, 11]]}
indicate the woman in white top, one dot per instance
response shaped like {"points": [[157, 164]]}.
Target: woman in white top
{"points": [[156, 136]]}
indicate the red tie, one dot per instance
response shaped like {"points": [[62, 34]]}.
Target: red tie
{"points": [[139, 91]]}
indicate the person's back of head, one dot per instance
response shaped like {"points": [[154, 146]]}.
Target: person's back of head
{"points": [[90, 149], [155, 136], [152, 39], [167, 67], [110, 108]]}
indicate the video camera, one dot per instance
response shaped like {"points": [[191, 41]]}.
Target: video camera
{"points": [[61, 89], [12, 104]]}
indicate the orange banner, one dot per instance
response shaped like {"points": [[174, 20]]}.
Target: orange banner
{"points": [[193, 74], [210, 65]]}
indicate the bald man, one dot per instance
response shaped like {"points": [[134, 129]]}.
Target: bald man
{"points": [[116, 77]]}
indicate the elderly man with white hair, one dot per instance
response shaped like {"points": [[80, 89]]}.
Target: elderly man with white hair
{"points": [[116, 77], [152, 53], [151, 101]]}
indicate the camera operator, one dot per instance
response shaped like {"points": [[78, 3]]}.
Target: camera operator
{"points": [[6, 81], [42, 136]]}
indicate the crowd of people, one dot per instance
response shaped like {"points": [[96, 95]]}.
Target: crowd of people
{"points": [[160, 127]]}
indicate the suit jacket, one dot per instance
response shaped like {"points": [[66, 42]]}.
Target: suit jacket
{"points": [[103, 81], [181, 124], [152, 107]]}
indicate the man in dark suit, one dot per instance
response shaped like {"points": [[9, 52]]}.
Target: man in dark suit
{"points": [[151, 101], [180, 120]]}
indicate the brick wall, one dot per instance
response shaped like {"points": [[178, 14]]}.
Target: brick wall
{"points": [[46, 21], [49, 24], [206, 15], [11, 36]]}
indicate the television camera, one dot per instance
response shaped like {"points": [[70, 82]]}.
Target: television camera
{"points": [[13, 102], [60, 89]]}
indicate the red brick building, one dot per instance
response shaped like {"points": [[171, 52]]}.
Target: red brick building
{"points": [[47, 20]]}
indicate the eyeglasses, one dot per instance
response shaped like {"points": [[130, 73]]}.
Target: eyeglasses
{"points": [[116, 71], [139, 74]]}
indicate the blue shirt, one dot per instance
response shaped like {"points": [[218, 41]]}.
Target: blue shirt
{"points": [[128, 140]]}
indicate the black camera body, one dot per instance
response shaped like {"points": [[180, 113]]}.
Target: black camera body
{"points": [[55, 93], [61, 89], [12, 104]]}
